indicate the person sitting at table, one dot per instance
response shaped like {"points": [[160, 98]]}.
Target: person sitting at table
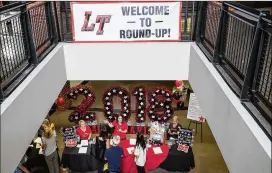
{"points": [[120, 127], [84, 131], [140, 153], [174, 128], [50, 147], [114, 155]]}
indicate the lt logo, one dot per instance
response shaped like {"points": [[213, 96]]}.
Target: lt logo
{"points": [[101, 19]]}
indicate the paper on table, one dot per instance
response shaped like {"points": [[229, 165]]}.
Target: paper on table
{"points": [[79, 145], [84, 143], [130, 150], [132, 141], [83, 150], [157, 150]]}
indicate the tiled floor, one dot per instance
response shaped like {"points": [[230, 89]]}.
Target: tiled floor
{"points": [[208, 158]]}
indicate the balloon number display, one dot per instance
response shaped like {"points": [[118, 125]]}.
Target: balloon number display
{"points": [[81, 112], [140, 94], [108, 104], [160, 100], [160, 109]]}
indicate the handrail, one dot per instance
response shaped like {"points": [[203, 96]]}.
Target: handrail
{"points": [[11, 7], [241, 50], [243, 8], [23, 44]]}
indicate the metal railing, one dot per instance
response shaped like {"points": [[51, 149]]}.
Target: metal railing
{"points": [[237, 40], [27, 35]]}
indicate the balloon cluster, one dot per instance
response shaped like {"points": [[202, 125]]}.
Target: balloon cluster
{"points": [[140, 93], [108, 103], [160, 109], [81, 112]]}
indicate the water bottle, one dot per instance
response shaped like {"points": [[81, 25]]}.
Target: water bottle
{"points": [[78, 139]]}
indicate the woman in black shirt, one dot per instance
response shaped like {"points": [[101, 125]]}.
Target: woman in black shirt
{"points": [[174, 128], [100, 147]]}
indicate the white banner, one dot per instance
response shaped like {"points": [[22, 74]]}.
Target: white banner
{"points": [[126, 21], [194, 110]]}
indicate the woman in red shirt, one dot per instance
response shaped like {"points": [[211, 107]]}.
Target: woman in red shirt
{"points": [[120, 127], [84, 131]]}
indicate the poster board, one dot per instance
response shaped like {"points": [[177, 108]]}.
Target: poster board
{"points": [[194, 110], [68, 132], [126, 21]]}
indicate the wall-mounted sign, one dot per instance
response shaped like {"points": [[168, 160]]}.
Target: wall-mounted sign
{"points": [[194, 110], [126, 21]]}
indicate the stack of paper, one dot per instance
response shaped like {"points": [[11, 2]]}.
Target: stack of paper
{"points": [[83, 150], [84, 143], [132, 141], [157, 150]]}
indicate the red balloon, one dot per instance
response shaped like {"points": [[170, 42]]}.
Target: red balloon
{"points": [[179, 83], [60, 101]]}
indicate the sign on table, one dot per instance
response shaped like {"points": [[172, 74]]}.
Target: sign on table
{"points": [[194, 110], [126, 21]]}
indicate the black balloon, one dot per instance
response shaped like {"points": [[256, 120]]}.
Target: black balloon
{"points": [[180, 105], [54, 106], [176, 95], [51, 112]]}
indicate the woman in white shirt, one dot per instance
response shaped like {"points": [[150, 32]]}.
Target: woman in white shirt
{"points": [[50, 147], [140, 153]]}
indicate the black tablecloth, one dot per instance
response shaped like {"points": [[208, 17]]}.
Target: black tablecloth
{"points": [[77, 161], [178, 160]]}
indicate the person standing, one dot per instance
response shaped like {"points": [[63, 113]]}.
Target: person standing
{"points": [[140, 153], [50, 147], [120, 127], [114, 155], [100, 148], [84, 131]]}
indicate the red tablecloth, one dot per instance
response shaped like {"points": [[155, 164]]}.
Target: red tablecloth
{"points": [[153, 160]]}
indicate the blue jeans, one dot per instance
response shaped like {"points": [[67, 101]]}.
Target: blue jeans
{"points": [[114, 171]]}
